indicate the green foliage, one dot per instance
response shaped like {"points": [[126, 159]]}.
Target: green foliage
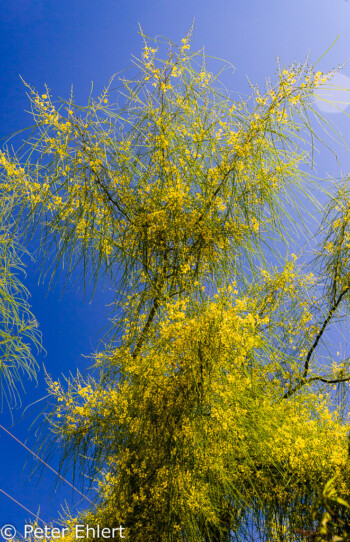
{"points": [[332, 517], [18, 328]]}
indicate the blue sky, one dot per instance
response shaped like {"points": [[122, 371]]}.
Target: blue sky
{"points": [[74, 42]]}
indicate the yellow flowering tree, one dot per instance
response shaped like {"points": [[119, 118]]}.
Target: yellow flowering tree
{"points": [[210, 413]]}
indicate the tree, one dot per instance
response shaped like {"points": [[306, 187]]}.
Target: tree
{"points": [[209, 414]]}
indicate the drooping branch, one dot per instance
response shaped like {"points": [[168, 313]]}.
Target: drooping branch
{"points": [[326, 381], [302, 383]]}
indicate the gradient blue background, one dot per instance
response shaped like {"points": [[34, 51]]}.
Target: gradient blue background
{"points": [[74, 42]]}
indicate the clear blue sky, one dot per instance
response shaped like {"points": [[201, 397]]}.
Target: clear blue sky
{"points": [[79, 41]]}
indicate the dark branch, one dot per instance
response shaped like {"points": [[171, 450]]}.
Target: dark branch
{"points": [[304, 380], [146, 327], [320, 333]]}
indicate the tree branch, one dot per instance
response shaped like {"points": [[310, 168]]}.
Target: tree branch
{"points": [[304, 380], [320, 333]]}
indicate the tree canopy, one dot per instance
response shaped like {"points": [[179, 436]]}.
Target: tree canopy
{"points": [[210, 413]]}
